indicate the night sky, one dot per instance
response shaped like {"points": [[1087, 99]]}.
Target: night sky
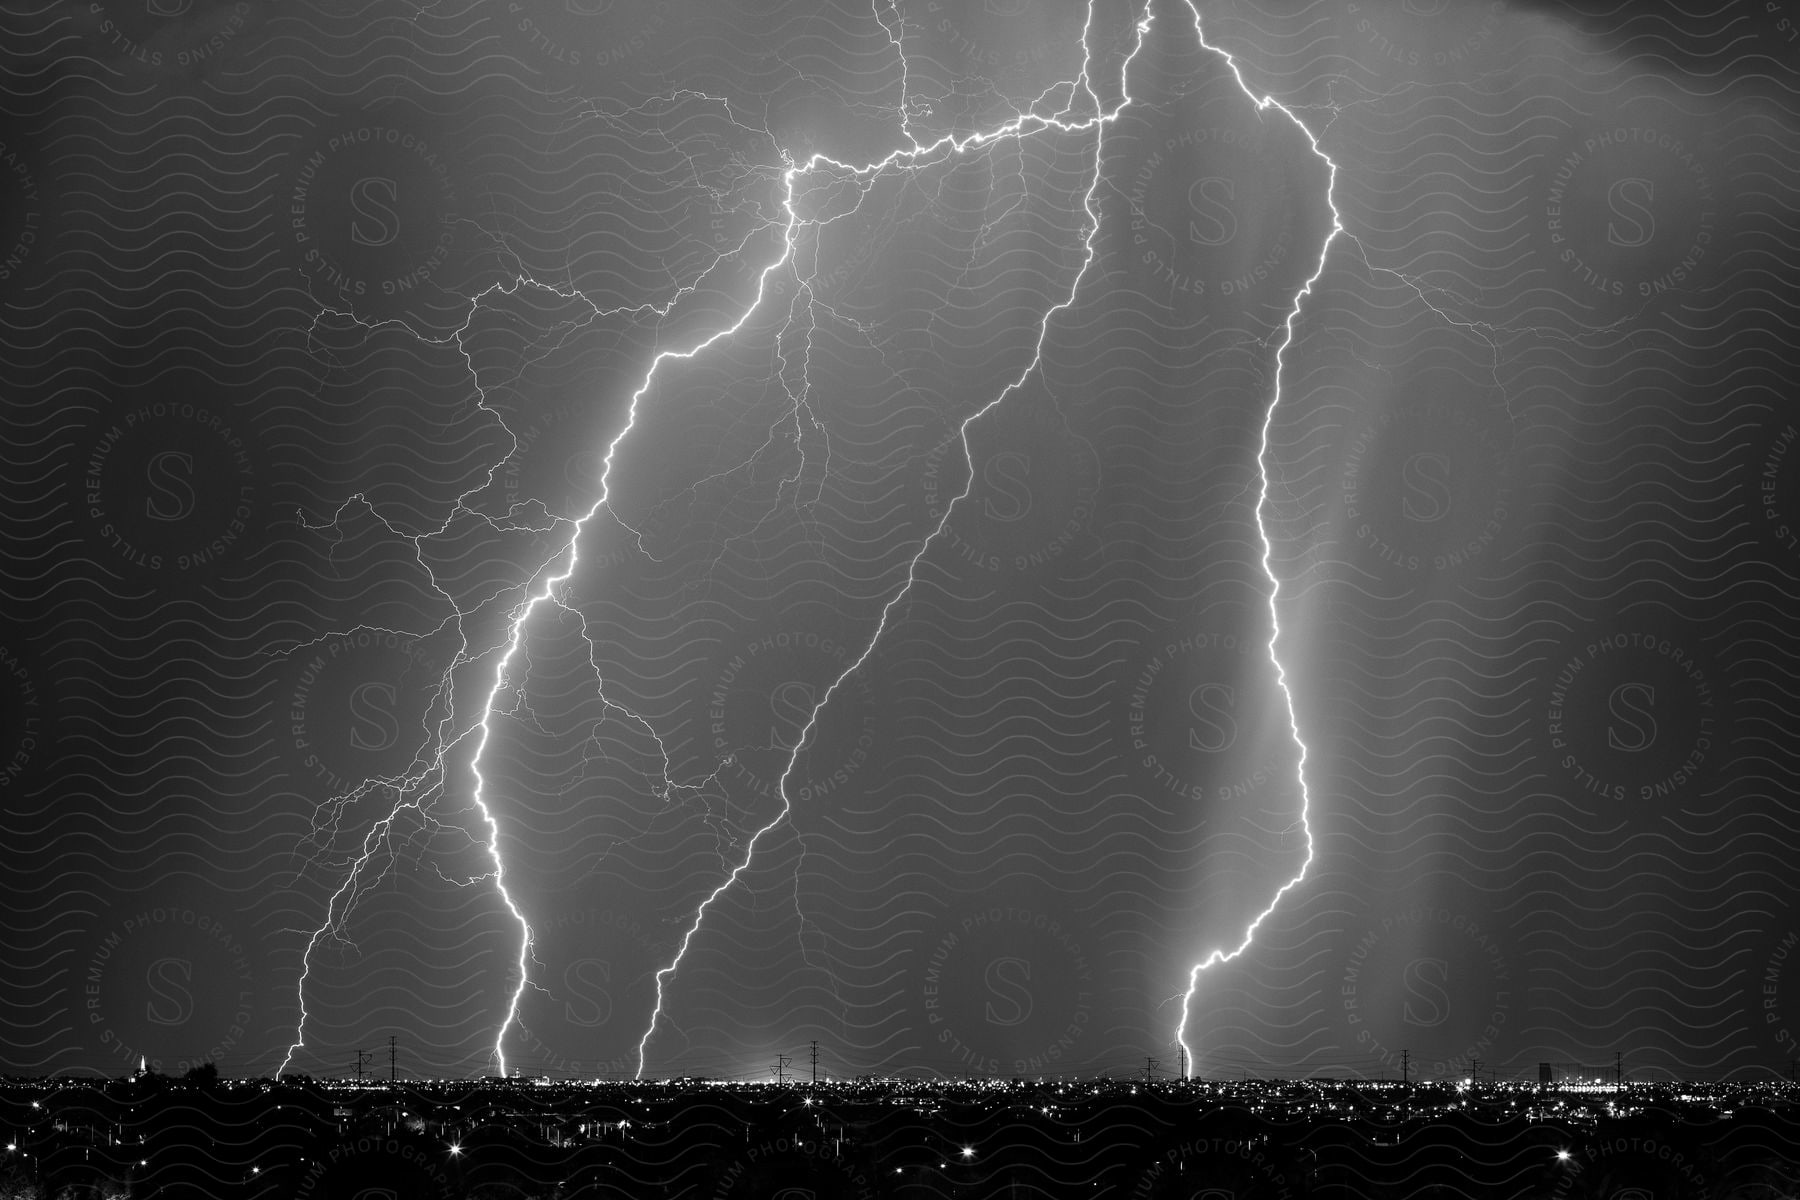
{"points": [[336, 334]]}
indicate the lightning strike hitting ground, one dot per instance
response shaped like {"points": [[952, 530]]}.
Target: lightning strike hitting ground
{"points": [[1024, 125], [1097, 123], [1263, 103], [1482, 330], [426, 776]]}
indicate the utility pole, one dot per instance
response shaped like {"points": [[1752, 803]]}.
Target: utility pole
{"points": [[1181, 1057], [393, 1057], [815, 1062], [1406, 1066], [1474, 1072], [362, 1060], [779, 1070], [1618, 1069], [1149, 1068]]}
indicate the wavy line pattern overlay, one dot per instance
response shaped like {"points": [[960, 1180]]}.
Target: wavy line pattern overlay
{"points": [[633, 539]]}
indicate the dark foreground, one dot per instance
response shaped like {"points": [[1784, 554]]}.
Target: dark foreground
{"points": [[83, 1140]]}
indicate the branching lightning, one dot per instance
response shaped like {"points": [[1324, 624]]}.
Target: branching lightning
{"points": [[425, 777], [548, 585], [1025, 124]]}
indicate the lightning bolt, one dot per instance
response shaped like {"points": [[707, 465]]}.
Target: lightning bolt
{"points": [[1025, 124], [1485, 332], [548, 585], [1264, 103], [424, 778], [1016, 128]]}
